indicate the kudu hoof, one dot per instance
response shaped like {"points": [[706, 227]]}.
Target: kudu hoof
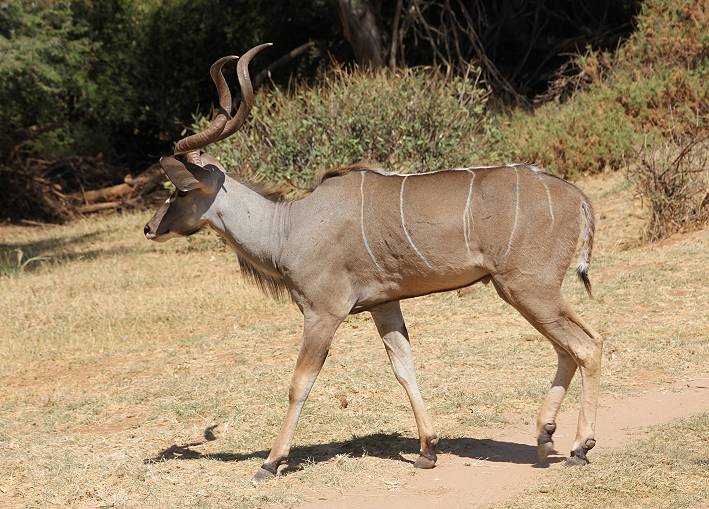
{"points": [[578, 455], [262, 475], [544, 451], [545, 443], [576, 461], [424, 462]]}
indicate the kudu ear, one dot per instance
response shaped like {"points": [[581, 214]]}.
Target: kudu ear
{"points": [[185, 176]]}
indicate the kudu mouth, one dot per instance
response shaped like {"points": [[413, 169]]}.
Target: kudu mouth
{"points": [[152, 235], [162, 237], [149, 234]]}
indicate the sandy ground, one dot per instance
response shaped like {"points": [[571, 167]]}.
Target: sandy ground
{"points": [[497, 467]]}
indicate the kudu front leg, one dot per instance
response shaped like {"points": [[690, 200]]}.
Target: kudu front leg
{"points": [[317, 337], [392, 329]]}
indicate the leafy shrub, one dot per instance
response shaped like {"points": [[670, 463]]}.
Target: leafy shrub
{"points": [[43, 69], [667, 99], [656, 85], [411, 120], [672, 179], [73, 70], [669, 31], [581, 136], [123, 76]]}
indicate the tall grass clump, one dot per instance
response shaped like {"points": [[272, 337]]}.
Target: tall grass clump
{"points": [[410, 120], [654, 84], [672, 179]]}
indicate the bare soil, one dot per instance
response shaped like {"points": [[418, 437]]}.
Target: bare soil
{"points": [[500, 464]]}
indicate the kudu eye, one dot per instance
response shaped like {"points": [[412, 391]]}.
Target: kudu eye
{"points": [[180, 194]]}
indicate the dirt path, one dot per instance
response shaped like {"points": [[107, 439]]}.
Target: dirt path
{"points": [[498, 467]]}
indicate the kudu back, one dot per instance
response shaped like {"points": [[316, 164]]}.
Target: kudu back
{"points": [[365, 238]]}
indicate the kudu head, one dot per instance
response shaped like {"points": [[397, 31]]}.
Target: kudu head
{"points": [[198, 177]]}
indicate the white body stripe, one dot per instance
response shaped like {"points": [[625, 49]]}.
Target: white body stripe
{"points": [[516, 216], [361, 221], [551, 209], [467, 168], [403, 224], [466, 214]]}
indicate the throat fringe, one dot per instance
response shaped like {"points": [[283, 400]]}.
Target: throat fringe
{"points": [[272, 286]]}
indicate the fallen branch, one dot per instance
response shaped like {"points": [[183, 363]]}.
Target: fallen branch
{"points": [[55, 191], [131, 187], [95, 207]]}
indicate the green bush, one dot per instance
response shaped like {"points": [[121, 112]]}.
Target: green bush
{"points": [[43, 69], [581, 136], [411, 120], [667, 99], [656, 86], [123, 76], [669, 31], [69, 67]]}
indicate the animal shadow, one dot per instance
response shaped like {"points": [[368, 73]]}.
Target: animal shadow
{"points": [[391, 446]]}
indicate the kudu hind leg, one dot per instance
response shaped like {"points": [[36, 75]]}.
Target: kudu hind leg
{"points": [[317, 338], [586, 349], [392, 329], [546, 419], [588, 353], [546, 310]]}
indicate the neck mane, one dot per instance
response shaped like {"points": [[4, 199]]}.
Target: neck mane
{"points": [[256, 226]]}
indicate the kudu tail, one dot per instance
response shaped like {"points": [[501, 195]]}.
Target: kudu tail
{"points": [[589, 228]]}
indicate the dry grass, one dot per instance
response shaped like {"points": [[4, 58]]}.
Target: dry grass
{"points": [[114, 349], [668, 469]]}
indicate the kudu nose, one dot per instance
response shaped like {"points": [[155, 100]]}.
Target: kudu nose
{"points": [[146, 230]]}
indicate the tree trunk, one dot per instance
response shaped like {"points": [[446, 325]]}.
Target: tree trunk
{"points": [[361, 26]]}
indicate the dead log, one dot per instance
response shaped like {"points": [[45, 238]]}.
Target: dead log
{"points": [[96, 207], [55, 191], [131, 187]]}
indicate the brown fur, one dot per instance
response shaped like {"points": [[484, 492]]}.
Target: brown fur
{"points": [[288, 192], [271, 191], [338, 171]]}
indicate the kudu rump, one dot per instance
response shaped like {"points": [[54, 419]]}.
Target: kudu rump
{"points": [[364, 239]]}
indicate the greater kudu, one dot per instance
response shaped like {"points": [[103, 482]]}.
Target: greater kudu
{"points": [[364, 239]]}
